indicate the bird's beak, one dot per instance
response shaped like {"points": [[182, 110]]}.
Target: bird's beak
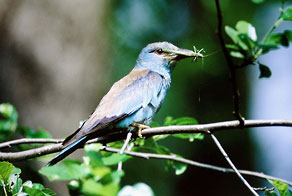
{"points": [[182, 53]]}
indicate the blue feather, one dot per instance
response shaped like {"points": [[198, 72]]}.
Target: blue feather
{"points": [[68, 150]]}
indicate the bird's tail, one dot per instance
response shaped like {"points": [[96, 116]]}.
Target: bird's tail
{"points": [[68, 150]]}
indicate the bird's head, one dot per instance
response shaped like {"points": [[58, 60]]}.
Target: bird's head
{"points": [[162, 56]]}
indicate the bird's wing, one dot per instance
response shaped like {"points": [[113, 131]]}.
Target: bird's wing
{"points": [[136, 90]]}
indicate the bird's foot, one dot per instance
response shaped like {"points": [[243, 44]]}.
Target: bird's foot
{"points": [[140, 128]]}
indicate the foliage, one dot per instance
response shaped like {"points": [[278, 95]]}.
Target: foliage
{"points": [[97, 174], [10, 129], [248, 48], [11, 183], [281, 187]]}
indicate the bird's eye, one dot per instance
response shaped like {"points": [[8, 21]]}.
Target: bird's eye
{"points": [[158, 51]]}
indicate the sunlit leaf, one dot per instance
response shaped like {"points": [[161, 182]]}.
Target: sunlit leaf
{"points": [[92, 152], [5, 170], [246, 28], [231, 46], [179, 167], [265, 71], [287, 14], [8, 111], [91, 187], [281, 187], [38, 191], [180, 121], [9, 123], [115, 159], [190, 136], [232, 33], [64, 172], [237, 54]]}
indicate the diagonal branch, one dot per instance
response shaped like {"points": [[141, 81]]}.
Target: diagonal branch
{"points": [[235, 91], [194, 163], [232, 165]]}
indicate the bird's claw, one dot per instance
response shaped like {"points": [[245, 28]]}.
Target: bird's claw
{"points": [[140, 128]]}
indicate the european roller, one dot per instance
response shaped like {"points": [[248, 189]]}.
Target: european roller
{"points": [[133, 100]]}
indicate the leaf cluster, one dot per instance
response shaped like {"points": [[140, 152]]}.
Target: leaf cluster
{"points": [[247, 48], [11, 184]]}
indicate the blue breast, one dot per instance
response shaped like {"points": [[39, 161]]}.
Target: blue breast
{"points": [[154, 93]]}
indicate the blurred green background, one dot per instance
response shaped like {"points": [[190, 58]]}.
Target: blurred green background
{"points": [[58, 58]]}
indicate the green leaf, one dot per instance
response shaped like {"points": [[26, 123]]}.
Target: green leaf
{"points": [[277, 39], [8, 111], [15, 181], [232, 33], [48, 191], [38, 191], [155, 124], [180, 121], [6, 169], [91, 187], [265, 71], [237, 54], [70, 171], [190, 136], [257, 1], [114, 159], [17, 185], [9, 124], [93, 157], [281, 187], [231, 46], [270, 193], [287, 14], [183, 121], [246, 28], [180, 168]]}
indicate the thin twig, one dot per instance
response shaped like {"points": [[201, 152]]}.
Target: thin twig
{"points": [[236, 101], [231, 164], [264, 189], [129, 148], [29, 141], [127, 140], [194, 163]]}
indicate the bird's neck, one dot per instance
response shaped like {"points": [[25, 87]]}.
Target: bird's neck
{"points": [[161, 70]]}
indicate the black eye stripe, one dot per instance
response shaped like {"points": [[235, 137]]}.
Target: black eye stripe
{"points": [[157, 51]]}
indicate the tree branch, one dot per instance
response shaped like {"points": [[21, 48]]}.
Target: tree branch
{"points": [[176, 129], [195, 163], [231, 66], [219, 126], [232, 165], [203, 128], [29, 141]]}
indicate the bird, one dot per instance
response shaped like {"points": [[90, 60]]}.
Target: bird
{"points": [[132, 101]]}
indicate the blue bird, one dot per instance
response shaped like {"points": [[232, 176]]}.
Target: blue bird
{"points": [[133, 100]]}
